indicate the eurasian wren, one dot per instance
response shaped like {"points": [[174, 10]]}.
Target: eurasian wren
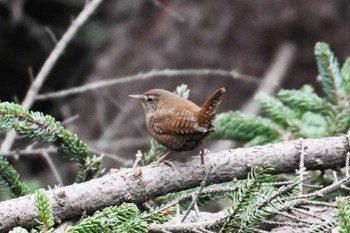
{"points": [[175, 122]]}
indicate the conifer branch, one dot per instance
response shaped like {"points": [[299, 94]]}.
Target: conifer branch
{"points": [[345, 72], [44, 209], [329, 70], [40, 127], [10, 179]]}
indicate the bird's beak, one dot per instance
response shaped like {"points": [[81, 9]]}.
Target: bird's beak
{"points": [[136, 96]]}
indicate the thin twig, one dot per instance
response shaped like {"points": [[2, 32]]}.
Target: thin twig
{"points": [[53, 168], [138, 159], [281, 183], [347, 164], [269, 84], [306, 213], [206, 191], [27, 151], [335, 176], [169, 11], [285, 223], [114, 157], [325, 190], [196, 195], [287, 215], [167, 73], [50, 62], [274, 75]]}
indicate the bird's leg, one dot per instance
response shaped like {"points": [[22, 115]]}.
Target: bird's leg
{"points": [[202, 152]]}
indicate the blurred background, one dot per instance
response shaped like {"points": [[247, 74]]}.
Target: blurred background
{"points": [[124, 38]]}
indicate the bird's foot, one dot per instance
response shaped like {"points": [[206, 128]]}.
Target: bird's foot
{"points": [[202, 152]]}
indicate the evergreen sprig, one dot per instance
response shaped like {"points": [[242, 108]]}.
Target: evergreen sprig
{"points": [[331, 78], [296, 113], [345, 73], [343, 215], [303, 100], [326, 226], [40, 127], [243, 200], [10, 179], [275, 109], [91, 169], [124, 218], [237, 126], [44, 210]]}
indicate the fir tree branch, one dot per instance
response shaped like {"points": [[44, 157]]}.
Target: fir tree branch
{"points": [[158, 179], [44, 210], [42, 127], [50, 62], [329, 70], [345, 72], [9, 176]]}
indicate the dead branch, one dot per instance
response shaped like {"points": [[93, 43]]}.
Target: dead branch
{"points": [[50, 62], [131, 185]]}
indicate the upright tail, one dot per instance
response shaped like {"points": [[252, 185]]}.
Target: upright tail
{"points": [[208, 109]]}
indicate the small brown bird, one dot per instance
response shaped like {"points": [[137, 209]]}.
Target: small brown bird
{"points": [[175, 122]]}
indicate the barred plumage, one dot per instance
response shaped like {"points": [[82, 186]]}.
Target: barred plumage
{"points": [[177, 123]]}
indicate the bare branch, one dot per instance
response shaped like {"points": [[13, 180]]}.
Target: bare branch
{"points": [[142, 76], [159, 179], [53, 167], [274, 75], [50, 62]]}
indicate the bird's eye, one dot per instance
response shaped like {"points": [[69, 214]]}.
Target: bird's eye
{"points": [[149, 98]]}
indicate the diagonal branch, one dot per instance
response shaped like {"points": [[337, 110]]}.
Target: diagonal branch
{"points": [[133, 185], [50, 62]]}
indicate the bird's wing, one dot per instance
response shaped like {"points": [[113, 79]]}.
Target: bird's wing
{"points": [[181, 122]]}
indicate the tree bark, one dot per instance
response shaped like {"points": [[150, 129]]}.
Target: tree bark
{"points": [[141, 184]]}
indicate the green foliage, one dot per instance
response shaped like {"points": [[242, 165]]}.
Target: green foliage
{"points": [[291, 114], [182, 91], [296, 113], [241, 217], [313, 125], [303, 100], [275, 109], [328, 67], [124, 218], [71, 146], [237, 126], [342, 122], [92, 168], [186, 197], [343, 215], [40, 127], [326, 226], [44, 209], [345, 72], [9, 178], [154, 153]]}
